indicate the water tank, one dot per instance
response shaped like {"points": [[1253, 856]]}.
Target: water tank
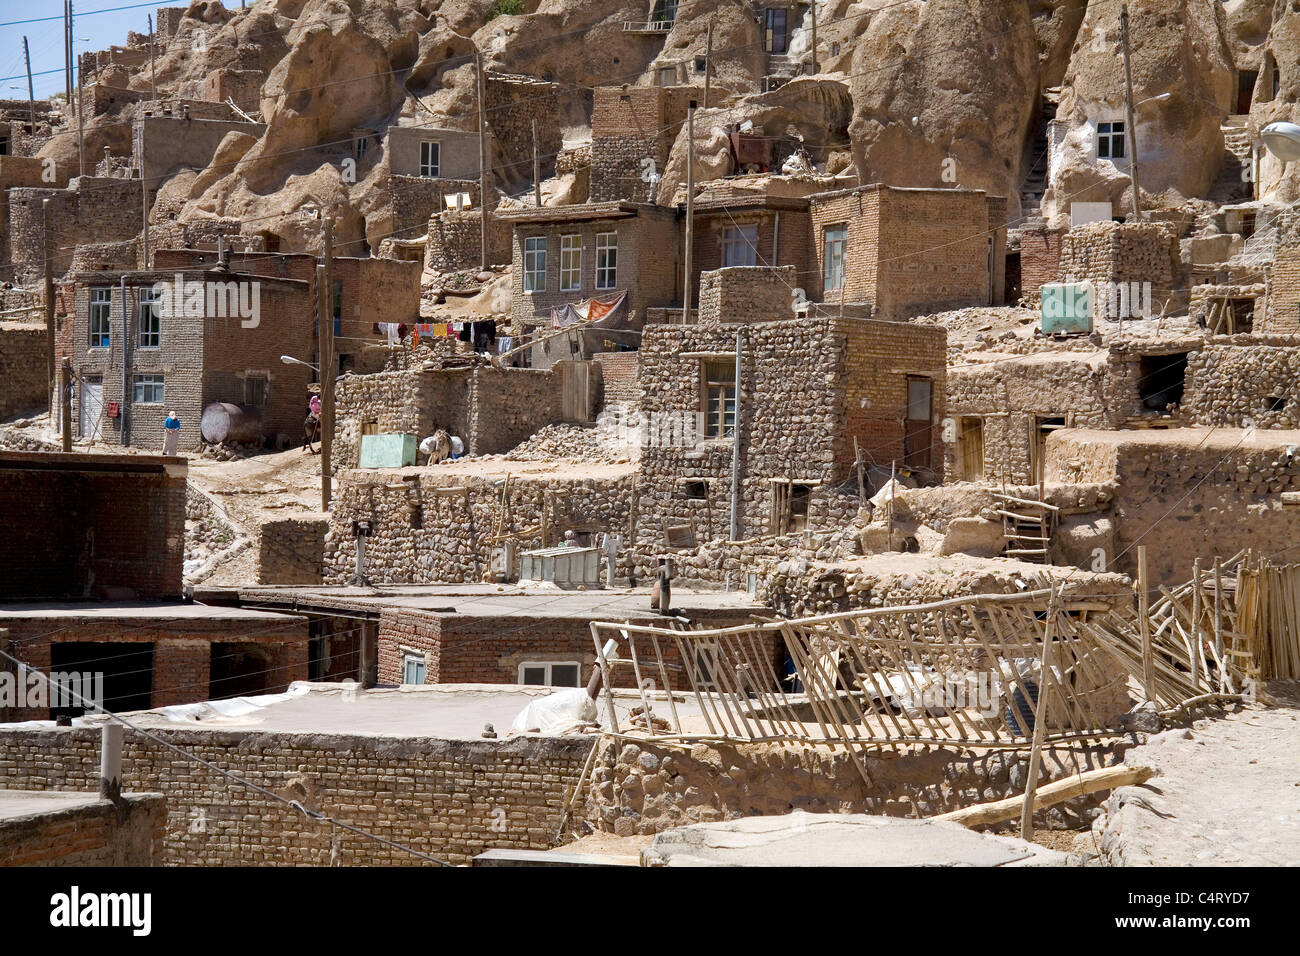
{"points": [[223, 422]]}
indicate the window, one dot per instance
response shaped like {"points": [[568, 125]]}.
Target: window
{"points": [[255, 389], [835, 245], [719, 399], [606, 260], [789, 506], [535, 264], [101, 305], [147, 390], [570, 263], [430, 156], [412, 668], [666, 76], [550, 673], [1110, 140], [1161, 379], [917, 428], [361, 148], [149, 322], [740, 246]]}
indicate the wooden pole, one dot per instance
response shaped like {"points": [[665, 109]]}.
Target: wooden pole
{"points": [[690, 213], [893, 469], [153, 82], [1058, 791], [65, 404], [31, 95], [813, 13], [1040, 713], [144, 211], [857, 464], [1128, 115], [482, 165], [1218, 621], [67, 50], [537, 169], [1144, 623], [49, 299], [708, 62], [81, 118], [1193, 652], [327, 364]]}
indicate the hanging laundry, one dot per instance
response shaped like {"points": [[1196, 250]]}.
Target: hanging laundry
{"points": [[504, 344]]}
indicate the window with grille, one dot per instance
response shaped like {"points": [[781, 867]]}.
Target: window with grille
{"points": [[147, 390], [719, 399], [570, 263], [430, 156], [606, 260], [535, 264], [835, 245], [255, 389], [1110, 140], [101, 306], [149, 321], [740, 246]]}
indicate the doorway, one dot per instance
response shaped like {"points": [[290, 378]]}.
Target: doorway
{"points": [[1245, 90], [776, 35], [126, 666], [92, 408], [917, 428], [1043, 427]]}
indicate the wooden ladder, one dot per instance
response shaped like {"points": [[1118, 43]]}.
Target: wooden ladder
{"points": [[1027, 527]]}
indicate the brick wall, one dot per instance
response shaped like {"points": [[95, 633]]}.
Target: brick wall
{"points": [[77, 533], [784, 239], [619, 377], [87, 834], [447, 798], [745, 294], [23, 370], [1040, 259]]}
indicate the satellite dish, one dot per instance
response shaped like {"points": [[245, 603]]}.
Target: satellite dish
{"points": [[1282, 140]]}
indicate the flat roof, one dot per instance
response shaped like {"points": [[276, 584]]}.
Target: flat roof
{"points": [[618, 209], [489, 600], [141, 612], [93, 462], [15, 804]]}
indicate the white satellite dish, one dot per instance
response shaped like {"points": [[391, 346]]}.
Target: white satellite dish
{"points": [[1282, 140]]}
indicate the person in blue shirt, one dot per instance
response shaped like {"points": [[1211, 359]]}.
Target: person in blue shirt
{"points": [[171, 433]]}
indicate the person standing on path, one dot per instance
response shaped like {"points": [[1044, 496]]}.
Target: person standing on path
{"points": [[171, 433]]}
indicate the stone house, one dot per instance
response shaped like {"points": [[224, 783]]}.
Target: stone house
{"points": [[812, 395], [140, 349], [908, 251], [564, 254], [632, 133]]}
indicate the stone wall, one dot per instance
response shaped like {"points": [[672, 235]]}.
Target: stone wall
{"points": [[511, 105], [740, 294], [644, 788], [23, 370], [106, 209], [1102, 252], [86, 834], [290, 549], [447, 798], [454, 242], [1237, 383]]}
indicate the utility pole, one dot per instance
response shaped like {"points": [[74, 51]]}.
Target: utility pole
{"points": [[735, 443], [67, 50], [81, 124], [153, 82], [1128, 115], [537, 169], [65, 404], [144, 211], [708, 62], [690, 211], [31, 96], [813, 11], [325, 280], [49, 297], [482, 165]]}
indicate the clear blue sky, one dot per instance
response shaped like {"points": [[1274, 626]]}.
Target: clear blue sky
{"points": [[102, 22]]}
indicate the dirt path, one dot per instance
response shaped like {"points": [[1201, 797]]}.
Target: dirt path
{"points": [[1227, 793]]}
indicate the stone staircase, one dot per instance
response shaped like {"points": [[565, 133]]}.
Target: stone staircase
{"points": [[1230, 187], [1035, 182]]}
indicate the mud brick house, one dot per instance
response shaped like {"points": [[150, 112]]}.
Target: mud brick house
{"points": [[807, 390], [749, 231], [908, 251], [93, 553], [107, 209], [367, 291], [139, 353], [431, 153], [632, 132], [564, 254], [166, 142]]}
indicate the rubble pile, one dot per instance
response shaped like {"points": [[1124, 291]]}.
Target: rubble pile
{"points": [[570, 443]]}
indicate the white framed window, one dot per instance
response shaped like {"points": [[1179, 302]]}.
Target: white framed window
{"points": [[835, 245], [1110, 140], [413, 666], [147, 390], [606, 260], [430, 158], [550, 673], [740, 246], [570, 263], [535, 264], [149, 321], [101, 307]]}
